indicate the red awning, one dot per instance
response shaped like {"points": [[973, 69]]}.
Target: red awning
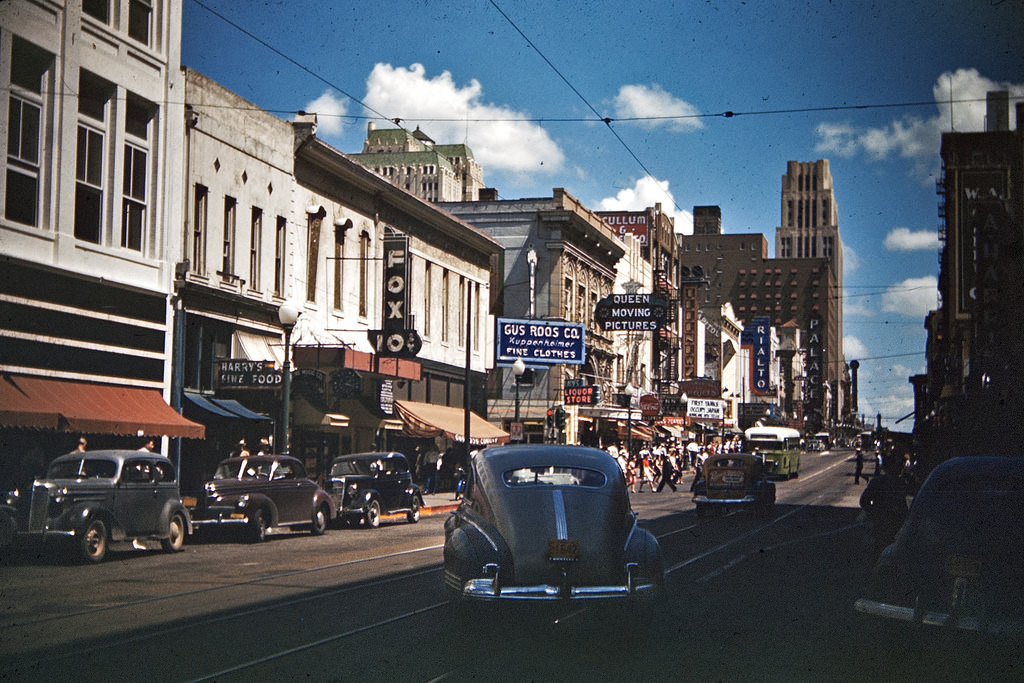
{"points": [[41, 403], [427, 420]]}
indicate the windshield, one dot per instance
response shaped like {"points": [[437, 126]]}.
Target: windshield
{"points": [[345, 468], [554, 476], [244, 469], [82, 469]]}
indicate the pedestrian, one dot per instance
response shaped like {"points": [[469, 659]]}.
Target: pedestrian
{"points": [[148, 447], [81, 445], [264, 447], [858, 468], [884, 501], [668, 473]]}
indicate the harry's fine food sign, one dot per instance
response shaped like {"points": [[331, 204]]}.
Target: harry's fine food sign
{"points": [[248, 374]]}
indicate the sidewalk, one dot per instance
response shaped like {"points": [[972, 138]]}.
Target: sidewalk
{"points": [[438, 503]]}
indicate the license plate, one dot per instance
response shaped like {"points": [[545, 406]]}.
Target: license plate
{"points": [[560, 549], [961, 565], [189, 501], [733, 478], [237, 515]]}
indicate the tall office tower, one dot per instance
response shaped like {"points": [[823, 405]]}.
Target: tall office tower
{"points": [[810, 230]]}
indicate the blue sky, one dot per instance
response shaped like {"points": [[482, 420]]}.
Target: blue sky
{"points": [[526, 84]]}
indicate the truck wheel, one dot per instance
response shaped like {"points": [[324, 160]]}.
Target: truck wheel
{"points": [[93, 542], [175, 541]]}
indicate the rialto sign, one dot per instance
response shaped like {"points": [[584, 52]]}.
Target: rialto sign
{"points": [[757, 339]]}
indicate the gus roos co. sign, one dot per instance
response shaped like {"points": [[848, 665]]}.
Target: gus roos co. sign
{"points": [[539, 342]]}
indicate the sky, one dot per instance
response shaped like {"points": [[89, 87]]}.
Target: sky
{"points": [[683, 103]]}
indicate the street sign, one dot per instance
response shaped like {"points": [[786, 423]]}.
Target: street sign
{"points": [[539, 342], [631, 312], [515, 432]]}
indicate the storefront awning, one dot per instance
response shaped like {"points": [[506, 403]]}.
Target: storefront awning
{"points": [[427, 420], [640, 431], [86, 408], [260, 347], [219, 408]]}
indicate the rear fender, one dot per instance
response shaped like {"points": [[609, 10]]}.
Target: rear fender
{"points": [[165, 519]]}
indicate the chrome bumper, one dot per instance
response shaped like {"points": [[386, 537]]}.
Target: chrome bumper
{"points": [[704, 499], [490, 587], [937, 618]]}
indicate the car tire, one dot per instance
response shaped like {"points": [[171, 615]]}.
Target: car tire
{"points": [[413, 515], [92, 544], [8, 530], [372, 514], [258, 526], [321, 517], [176, 530]]}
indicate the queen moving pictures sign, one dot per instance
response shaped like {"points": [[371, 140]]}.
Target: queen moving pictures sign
{"points": [[631, 312], [539, 342]]}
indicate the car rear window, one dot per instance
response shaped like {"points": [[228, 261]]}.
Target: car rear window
{"points": [[554, 475], [82, 469]]}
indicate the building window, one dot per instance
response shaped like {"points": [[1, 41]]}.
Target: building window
{"points": [[29, 66], [480, 316], [428, 288], [93, 104], [228, 243], [98, 9], [138, 116], [314, 223], [199, 213], [255, 244], [279, 245], [445, 304], [140, 19], [339, 262], [364, 273], [463, 293]]}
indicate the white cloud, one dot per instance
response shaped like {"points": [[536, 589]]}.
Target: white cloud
{"points": [[851, 259], [902, 239], [501, 139], [914, 297], [854, 348], [330, 113], [645, 193], [914, 137], [654, 105]]}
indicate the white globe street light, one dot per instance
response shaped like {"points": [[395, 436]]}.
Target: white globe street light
{"points": [[288, 315]]}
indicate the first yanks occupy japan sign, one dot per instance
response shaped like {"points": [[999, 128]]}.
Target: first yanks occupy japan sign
{"points": [[539, 342]]}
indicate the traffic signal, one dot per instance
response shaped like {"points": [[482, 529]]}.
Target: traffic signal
{"points": [[560, 418], [551, 418]]}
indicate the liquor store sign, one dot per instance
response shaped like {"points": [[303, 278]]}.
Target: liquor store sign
{"points": [[248, 374]]}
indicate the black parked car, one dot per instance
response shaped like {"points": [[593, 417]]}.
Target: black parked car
{"points": [[99, 497], [258, 492], [367, 485], [548, 523], [958, 560]]}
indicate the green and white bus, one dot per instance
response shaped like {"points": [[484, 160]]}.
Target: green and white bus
{"points": [[780, 448]]}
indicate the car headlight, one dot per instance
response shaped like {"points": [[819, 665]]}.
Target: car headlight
{"points": [[242, 501], [353, 489]]}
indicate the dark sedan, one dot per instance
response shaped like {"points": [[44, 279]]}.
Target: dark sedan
{"points": [[367, 485], [958, 560], [99, 498], [733, 480], [260, 492], [548, 523]]}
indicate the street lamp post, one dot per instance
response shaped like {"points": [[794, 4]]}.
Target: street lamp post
{"points": [[518, 368], [288, 314], [630, 393]]}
